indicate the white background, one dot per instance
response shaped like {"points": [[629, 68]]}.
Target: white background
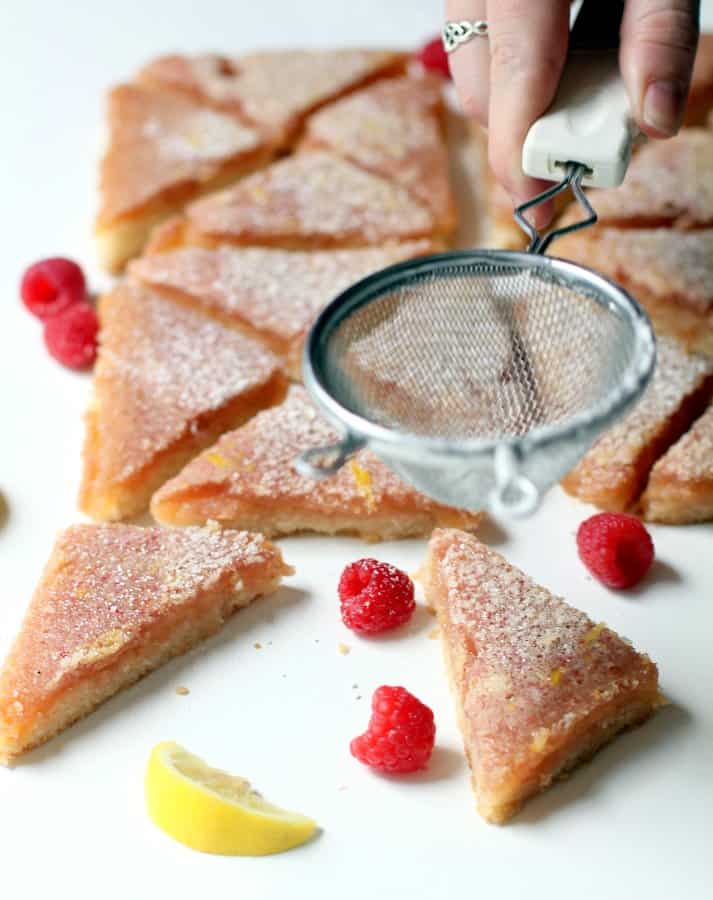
{"points": [[636, 822]]}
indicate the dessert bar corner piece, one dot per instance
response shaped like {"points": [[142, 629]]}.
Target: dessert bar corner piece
{"points": [[114, 603], [614, 472], [163, 151], [538, 685], [680, 488], [168, 381], [248, 480]]}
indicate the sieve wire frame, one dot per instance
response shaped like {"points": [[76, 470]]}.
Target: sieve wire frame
{"points": [[404, 446]]}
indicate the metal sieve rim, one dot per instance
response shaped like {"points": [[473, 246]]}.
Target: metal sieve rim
{"points": [[575, 276]]}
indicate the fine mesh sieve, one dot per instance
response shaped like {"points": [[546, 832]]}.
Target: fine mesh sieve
{"points": [[482, 376]]}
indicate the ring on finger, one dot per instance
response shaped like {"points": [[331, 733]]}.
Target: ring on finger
{"points": [[456, 33]]}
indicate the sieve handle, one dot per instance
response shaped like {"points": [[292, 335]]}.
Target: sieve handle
{"points": [[589, 121]]}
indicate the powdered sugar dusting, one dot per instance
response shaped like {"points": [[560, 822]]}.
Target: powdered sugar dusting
{"points": [[677, 375], [392, 128], [510, 635], [106, 584], [315, 198], [273, 88], [691, 458], [257, 461], [159, 140], [276, 292], [160, 368], [671, 265]]}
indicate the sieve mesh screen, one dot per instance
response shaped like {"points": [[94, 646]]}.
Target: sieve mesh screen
{"points": [[478, 350]]}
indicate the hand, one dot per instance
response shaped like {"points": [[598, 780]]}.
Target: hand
{"points": [[508, 79]]}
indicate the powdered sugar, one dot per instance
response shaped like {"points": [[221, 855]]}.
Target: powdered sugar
{"points": [[276, 292], [673, 266], [529, 666], [392, 129], [677, 375], [255, 464], [160, 140], [272, 89], [105, 585], [691, 458], [312, 200], [160, 368]]}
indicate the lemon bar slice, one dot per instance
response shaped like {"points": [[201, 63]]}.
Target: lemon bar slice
{"points": [[538, 685]]}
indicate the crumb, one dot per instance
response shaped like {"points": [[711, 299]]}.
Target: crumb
{"points": [[316, 640], [342, 787], [434, 633], [430, 610], [343, 648], [269, 643], [358, 697], [257, 645], [283, 675], [182, 691], [355, 686], [213, 525]]}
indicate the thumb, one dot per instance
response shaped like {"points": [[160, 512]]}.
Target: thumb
{"points": [[658, 46]]}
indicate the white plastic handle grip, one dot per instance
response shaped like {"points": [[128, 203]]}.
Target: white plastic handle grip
{"points": [[588, 122]]}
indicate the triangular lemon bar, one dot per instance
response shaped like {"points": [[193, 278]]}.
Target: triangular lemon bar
{"points": [[249, 477], [273, 89], [538, 685], [273, 295], [115, 602], [394, 128], [669, 272], [167, 383], [164, 150], [309, 201], [680, 488], [613, 473]]}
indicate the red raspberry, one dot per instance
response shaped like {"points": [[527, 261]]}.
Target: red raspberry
{"points": [[433, 57], [400, 735], [616, 549], [375, 596], [51, 286], [71, 336]]}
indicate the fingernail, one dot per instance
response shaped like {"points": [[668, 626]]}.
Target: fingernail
{"points": [[663, 106]]}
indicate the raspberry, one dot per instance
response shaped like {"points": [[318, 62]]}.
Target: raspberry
{"points": [[71, 336], [433, 57], [375, 596], [51, 286], [400, 735], [616, 549]]}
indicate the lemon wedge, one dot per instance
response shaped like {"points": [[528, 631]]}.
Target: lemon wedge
{"points": [[209, 810]]}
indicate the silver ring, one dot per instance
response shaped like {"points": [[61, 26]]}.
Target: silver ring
{"points": [[456, 33]]}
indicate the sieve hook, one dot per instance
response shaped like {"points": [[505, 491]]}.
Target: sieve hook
{"points": [[540, 242], [321, 462], [514, 495]]}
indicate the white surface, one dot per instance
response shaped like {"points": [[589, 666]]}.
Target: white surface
{"points": [[636, 822]]}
